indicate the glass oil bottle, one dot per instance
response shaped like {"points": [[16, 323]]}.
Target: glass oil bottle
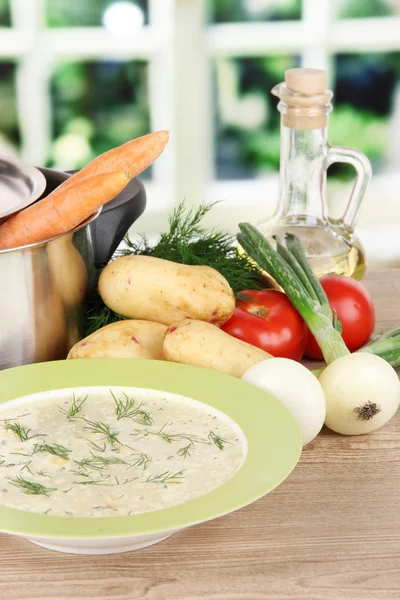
{"points": [[330, 244]]}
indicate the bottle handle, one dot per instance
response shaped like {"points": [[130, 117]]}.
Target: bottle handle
{"points": [[363, 177]]}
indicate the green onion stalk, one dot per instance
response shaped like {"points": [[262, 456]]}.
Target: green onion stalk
{"points": [[360, 391], [290, 269], [387, 346]]}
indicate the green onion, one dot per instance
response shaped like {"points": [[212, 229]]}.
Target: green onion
{"points": [[387, 346], [290, 269]]}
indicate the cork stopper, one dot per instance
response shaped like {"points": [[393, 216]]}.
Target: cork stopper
{"points": [[306, 81], [305, 101]]}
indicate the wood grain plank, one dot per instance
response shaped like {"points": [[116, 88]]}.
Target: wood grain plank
{"points": [[331, 531]]}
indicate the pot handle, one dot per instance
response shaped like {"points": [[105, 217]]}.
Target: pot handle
{"points": [[115, 219]]}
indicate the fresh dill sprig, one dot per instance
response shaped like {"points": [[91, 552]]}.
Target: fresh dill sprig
{"points": [[27, 467], [186, 451], [142, 460], [80, 473], [103, 428], [127, 410], [143, 433], [24, 433], [101, 481], [163, 435], [75, 408], [166, 477], [43, 474], [188, 242], [30, 487], [177, 437], [99, 448], [90, 482], [99, 462], [17, 417], [54, 449], [98, 315], [217, 440], [125, 481]]}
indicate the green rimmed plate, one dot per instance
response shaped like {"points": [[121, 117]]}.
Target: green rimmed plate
{"points": [[273, 438]]}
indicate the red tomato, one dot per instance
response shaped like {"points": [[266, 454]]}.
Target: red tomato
{"points": [[354, 308], [269, 321]]}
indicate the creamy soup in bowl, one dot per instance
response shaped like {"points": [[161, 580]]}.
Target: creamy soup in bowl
{"points": [[113, 451], [99, 456]]}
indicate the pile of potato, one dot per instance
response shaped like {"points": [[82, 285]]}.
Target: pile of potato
{"points": [[173, 312]]}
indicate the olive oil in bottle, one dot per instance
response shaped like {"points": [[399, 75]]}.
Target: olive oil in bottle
{"points": [[330, 244]]}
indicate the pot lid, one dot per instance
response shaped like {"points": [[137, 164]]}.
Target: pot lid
{"points": [[20, 185]]}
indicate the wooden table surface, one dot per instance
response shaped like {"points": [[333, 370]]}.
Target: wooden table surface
{"points": [[331, 531]]}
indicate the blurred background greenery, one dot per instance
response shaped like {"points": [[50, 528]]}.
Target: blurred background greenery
{"points": [[100, 104]]}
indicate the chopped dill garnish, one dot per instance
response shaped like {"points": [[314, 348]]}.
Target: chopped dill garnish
{"points": [[90, 482], [99, 462], [17, 417], [75, 408], [142, 460], [164, 436], [186, 451], [81, 473], [187, 242], [176, 437], [24, 433], [218, 441], [99, 448], [101, 481], [54, 449], [43, 474], [127, 410], [30, 487], [144, 433], [103, 428], [27, 467], [166, 477]]}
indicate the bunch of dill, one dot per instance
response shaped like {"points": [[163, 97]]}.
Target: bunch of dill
{"points": [[187, 242]]}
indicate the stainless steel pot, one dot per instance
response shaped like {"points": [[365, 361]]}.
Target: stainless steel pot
{"points": [[43, 286]]}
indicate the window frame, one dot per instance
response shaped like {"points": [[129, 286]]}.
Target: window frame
{"points": [[179, 47]]}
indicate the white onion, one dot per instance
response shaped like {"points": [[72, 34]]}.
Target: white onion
{"points": [[362, 393], [296, 387]]}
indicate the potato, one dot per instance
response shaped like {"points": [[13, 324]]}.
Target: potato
{"points": [[144, 287], [123, 339], [204, 345]]}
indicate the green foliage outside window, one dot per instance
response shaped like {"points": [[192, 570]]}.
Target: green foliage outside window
{"points": [[100, 104], [79, 13], [96, 106]]}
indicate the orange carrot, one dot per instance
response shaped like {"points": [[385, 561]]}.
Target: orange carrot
{"points": [[62, 210], [82, 194], [133, 157]]}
